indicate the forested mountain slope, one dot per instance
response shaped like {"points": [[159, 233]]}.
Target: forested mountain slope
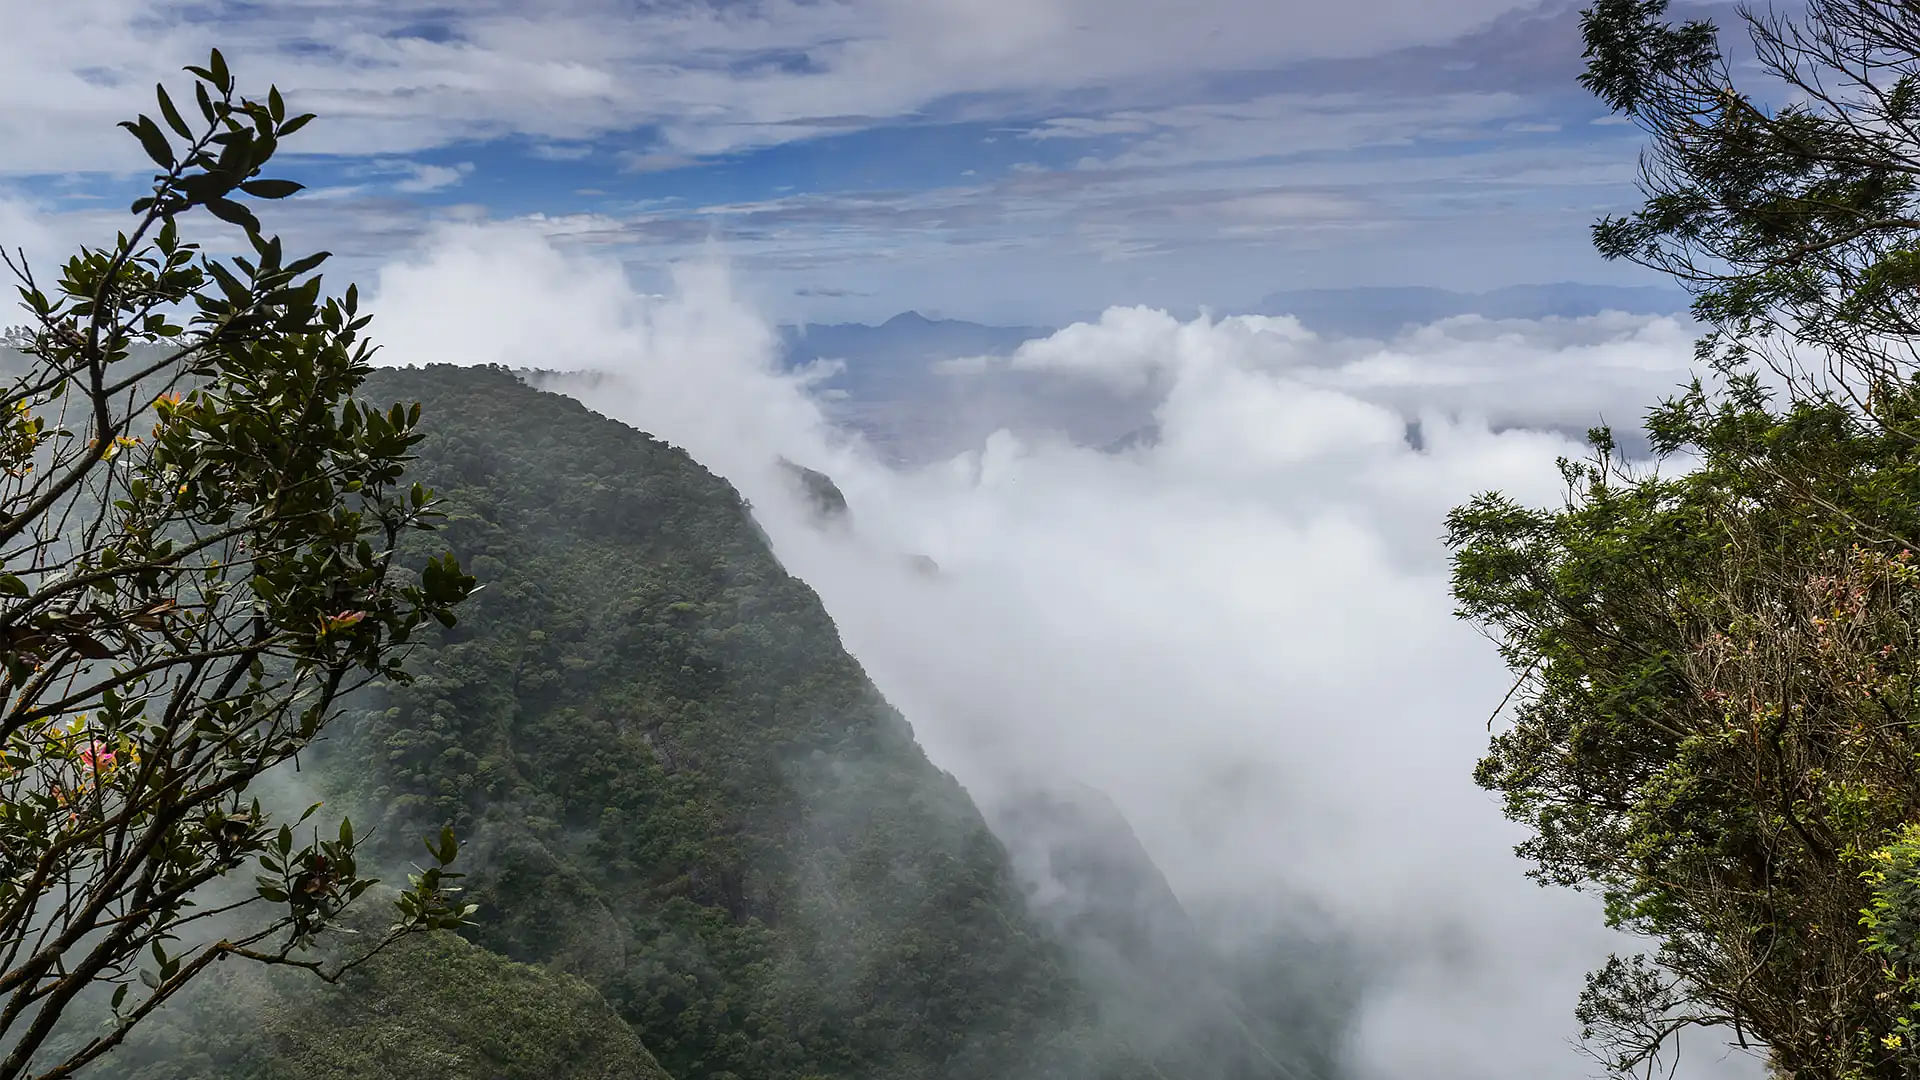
{"points": [[692, 823], [435, 1006], [675, 782]]}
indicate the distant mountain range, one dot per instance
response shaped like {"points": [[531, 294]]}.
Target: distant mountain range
{"points": [[908, 342], [902, 349], [889, 390]]}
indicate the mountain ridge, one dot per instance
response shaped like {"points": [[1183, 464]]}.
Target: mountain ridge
{"points": [[677, 784], [687, 813]]}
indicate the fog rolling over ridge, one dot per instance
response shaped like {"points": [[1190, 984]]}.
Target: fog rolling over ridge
{"points": [[1236, 628]]}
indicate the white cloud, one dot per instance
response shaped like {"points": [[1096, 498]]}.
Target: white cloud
{"points": [[48, 236], [634, 161], [1089, 127], [423, 178], [24, 226], [1242, 633], [1559, 373], [713, 78], [506, 294], [1186, 197], [1288, 124], [547, 151]]}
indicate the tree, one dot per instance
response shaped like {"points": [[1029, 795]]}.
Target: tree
{"points": [[1719, 670], [1718, 687], [1793, 226], [198, 526]]}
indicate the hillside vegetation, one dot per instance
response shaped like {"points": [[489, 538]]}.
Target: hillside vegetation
{"points": [[677, 785], [433, 1006], [693, 827]]}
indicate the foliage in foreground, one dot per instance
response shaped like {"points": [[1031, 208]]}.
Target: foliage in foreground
{"points": [[1716, 725], [1783, 192], [197, 536], [1717, 668]]}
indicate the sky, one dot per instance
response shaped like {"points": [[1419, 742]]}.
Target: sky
{"points": [[1013, 161]]}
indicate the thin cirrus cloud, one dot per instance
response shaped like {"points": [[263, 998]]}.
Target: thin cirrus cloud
{"points": [[1021, 160], [422, 178], [406, 76], [1286, 124]]}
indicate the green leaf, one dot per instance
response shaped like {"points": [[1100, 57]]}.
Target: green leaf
{"points": [[203, 186], [172, 115], [271, 189], [89, 647], [151, 140], [236, 153], [301, 266], [233, 213], [217, 65], [12, 586], [237, 293], [276, 107], [295, 124]]}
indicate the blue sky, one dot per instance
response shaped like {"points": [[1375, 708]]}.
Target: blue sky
{"points": [[1006, 160]]}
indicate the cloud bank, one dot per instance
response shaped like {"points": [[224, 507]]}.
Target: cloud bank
{"points": [[1558, 374], [1239, 631]]}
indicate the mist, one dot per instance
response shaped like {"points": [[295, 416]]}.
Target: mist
{"points": [[1238, 630]]}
